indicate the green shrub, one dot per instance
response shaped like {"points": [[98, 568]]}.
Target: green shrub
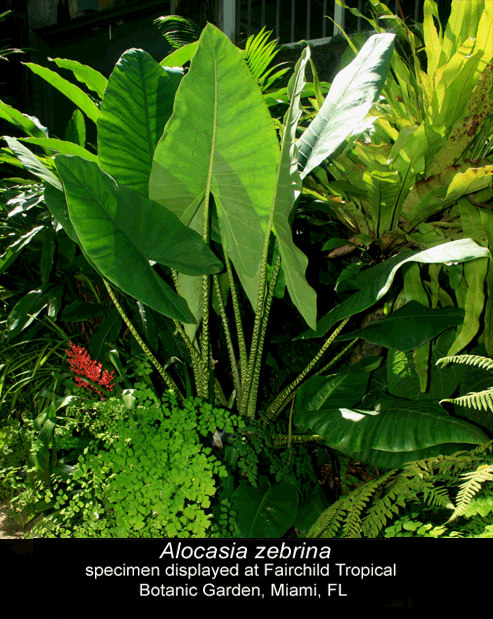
{"points": [[14, 447], [149, 472]]}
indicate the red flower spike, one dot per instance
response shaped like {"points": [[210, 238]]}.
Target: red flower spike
{"points": [[82, 365]]}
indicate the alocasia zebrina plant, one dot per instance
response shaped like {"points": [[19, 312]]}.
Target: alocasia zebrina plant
{"points": [[189, 167]]}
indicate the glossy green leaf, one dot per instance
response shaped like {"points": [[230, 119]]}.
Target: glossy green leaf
{"points": [[473, 179], [121, 231], [403, 380], [180, 56], [288, 188], [80, 311], [15, 248], [107, 332], [321, 392], [475, 275], [93, 79], [57, 204], [310, 510], [137, 104], [28, 124], [375, 282], [414, 290], [394, 432], [26, 310], [73, 92], [47, 253], [32, 163], [353, 92], [220, 141], [409, 327], [76, 129], [265, 514], [63, 147]]}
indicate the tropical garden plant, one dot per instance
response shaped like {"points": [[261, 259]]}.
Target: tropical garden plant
{"points": [[183, 35], [188, 205], [418, 171]]}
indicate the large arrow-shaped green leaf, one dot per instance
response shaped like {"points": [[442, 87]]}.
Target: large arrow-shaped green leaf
{"points": [[288, 188], [354, 90], [121, 231], [137, 104], [393, 433], [220, 140]]}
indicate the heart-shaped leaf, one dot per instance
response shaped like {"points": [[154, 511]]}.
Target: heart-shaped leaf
{"points": [[121, 231], [137, 104]]}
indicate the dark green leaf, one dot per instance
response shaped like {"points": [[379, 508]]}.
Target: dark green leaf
{"points": [[409, 327], [265, 514], [394, 432]]}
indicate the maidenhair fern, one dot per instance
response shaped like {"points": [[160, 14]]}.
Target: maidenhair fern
{"points": [[366, 511], [482, 400]]}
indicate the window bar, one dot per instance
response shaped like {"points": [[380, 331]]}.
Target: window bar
{"points": [[308, 18], [360, 8], [338, 18], [237, 19], [229, 19], [416, 10], [249, 18], [262, 21], [293, 18], [325, 20]]}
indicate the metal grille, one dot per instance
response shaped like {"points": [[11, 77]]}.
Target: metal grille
{"points": [[294, 20]]}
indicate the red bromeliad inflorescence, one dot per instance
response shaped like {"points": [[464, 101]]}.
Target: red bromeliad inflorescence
{"points": [[82, 364]]}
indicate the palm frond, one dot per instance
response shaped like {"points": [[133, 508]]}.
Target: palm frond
{"points": [[178, 31], [259, 54]]}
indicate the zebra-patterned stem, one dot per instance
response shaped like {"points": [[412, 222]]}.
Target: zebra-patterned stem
{"points": [[166, 377]]}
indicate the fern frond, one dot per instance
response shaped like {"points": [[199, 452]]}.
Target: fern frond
{"points": [[329, 523], [384, 509], [470, 487], [349, 507], [382, 498], [437, 497], [481, 400], [477, 360], [357, 502], [480, 449]]}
